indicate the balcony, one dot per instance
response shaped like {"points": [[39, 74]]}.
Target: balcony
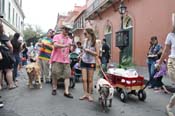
{"points": [[97, 7], [79, 22]]}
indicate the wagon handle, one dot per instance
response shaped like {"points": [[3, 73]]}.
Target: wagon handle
{"points": [[103, 73]]}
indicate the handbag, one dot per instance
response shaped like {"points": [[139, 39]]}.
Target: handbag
{"points": [[6, 55]]}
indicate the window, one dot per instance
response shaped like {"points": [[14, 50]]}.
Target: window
{"points": [[13, 21], [9, 12], [2, 7], [16, 20], [19, 23], [20, 3]]}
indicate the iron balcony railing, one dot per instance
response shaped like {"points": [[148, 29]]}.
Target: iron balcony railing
{"points": [[79, 23], [95, 6]]}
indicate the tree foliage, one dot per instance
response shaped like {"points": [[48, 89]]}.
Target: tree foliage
{"points": [[32, 33]]}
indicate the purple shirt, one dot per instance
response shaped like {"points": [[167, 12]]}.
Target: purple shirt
{"points": [[162, 71]]}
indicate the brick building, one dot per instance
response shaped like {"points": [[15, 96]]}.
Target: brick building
{"points": [[69, 18], [143, 19]]}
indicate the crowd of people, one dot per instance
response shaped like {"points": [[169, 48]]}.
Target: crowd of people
{"points": [[52, 54]]}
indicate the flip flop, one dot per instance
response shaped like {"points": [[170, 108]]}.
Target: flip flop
{"points": [[12, 88], [90, 99], [83, 97]]}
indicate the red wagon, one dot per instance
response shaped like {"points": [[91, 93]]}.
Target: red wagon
{"points": [[127, 85]]}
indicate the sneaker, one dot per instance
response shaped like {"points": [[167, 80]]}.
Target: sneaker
{"points": [[169, 111], [156, 88], [54, 92], [69, 95], [1, 104], [157, 91], [150, 87]]}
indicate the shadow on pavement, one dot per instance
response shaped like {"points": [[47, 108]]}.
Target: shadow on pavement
{"points": [[4, 112]]}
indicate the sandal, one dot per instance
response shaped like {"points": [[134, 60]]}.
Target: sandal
{"points": [[90, 99], [54, 92], [83, 97], [10, 88], [16, 83]]}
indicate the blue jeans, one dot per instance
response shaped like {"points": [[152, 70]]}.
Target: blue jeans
{"points": [[15, 68], [104, 63], [151, 71]]}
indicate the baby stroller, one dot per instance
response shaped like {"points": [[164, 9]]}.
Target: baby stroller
{"points": [[77, 72], [75, 69]]}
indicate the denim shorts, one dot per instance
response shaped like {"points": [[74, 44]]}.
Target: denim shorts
{"points": [[87, 65]]}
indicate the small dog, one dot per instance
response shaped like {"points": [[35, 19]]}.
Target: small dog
{"points": [[34, 74], [106, 92]]}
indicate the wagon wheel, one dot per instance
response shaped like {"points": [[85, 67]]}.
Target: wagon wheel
{"points": [[141, 95], [123, 95]]}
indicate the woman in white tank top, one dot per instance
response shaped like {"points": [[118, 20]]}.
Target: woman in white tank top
{"points": [[88, 63]]}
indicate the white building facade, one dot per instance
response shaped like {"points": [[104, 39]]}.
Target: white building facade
{"points": [[13, 16]]}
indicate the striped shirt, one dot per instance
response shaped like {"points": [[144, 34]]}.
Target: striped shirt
{"points": [[46, 49]]}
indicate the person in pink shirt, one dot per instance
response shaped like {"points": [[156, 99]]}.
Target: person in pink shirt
{"points": [[60, 61]]}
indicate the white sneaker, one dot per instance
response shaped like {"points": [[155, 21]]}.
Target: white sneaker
{"points": [[1, 104]]}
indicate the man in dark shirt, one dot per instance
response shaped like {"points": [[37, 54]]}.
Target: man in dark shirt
{"points": [[105, 53]]}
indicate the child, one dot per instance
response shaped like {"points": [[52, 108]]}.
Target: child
{"points": [[78, 72], [158, 77]]}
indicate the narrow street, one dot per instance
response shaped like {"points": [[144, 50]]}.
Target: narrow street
{"points": [[39, 102]]}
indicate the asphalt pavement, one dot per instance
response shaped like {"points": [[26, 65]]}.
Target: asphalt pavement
{"points": [[23, 101]]}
